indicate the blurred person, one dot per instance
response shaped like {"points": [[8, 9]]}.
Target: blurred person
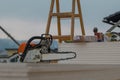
{"points": [[99, 35]]}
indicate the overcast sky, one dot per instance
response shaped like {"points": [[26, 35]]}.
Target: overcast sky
{"points": [[26, 18]]}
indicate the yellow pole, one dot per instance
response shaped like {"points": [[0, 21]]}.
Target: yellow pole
{"points": [[58, 19], [50, 17], [81, 18], [73, 19]]}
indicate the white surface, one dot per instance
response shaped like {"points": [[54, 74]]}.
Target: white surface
{"points": [[93, 53]]}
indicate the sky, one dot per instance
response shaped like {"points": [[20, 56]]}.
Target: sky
{"points": [[26, 18]]}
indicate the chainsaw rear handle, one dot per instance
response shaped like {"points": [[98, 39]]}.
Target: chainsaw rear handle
{"points": [[28, 46]]}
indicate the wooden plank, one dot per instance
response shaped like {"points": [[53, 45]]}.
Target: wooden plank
{"points": [[81, 17], [50, 17], [73, 19], [63, 37], [95, 61], [73, 72], [36, 71], [58, 19], [13, 71], [93, 53], [65, 15]]}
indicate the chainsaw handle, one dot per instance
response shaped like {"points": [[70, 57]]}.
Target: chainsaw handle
{"points": [[44, 37], [28, 46]]}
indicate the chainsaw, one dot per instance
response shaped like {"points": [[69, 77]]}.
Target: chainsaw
{"points": [[41, 51]]}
